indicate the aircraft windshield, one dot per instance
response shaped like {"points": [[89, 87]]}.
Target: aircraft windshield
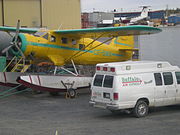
{"points": [[39, 33]]}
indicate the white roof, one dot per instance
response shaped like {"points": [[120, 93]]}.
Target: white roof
{"points": [[137, 66], [132, 63], [107, 21]]}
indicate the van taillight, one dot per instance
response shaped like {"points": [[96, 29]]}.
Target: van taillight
{"points": [[116, 96], [97, 68], [112, 69], [104, 68]]}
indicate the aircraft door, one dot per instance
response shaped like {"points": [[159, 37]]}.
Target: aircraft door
{"points": [[170, 88], [177, 74], [159, 91]]}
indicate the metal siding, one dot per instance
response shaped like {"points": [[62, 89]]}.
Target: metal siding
{"points": [[153, 15], [174, 19], [63, 14], [130, 14], [28, 11], [157, 15]]}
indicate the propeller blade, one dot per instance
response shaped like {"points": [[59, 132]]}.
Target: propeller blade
{"points": [[17, 31], [22, 54], [6, 49], [16, 39]]}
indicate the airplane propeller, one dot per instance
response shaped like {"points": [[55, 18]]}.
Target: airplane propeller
{"points": [[6, 49], [16, 43]]}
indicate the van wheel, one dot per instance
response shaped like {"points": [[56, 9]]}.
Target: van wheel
{"points": [[141, 109]]}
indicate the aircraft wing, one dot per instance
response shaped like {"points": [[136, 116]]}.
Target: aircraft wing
{"points": [[110, 31], [13, 29]]}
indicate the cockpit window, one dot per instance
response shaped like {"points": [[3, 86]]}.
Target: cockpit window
{"points": [[39, 33], [46, 36]]}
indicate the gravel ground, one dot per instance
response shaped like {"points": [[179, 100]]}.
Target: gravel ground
{"points": [[28, 114]]}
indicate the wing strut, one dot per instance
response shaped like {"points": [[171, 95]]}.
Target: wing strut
{"points": [[84, 48], [94, 47]]}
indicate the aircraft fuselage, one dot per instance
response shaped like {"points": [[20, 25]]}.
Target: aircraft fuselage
{"points": [[60, 50]]}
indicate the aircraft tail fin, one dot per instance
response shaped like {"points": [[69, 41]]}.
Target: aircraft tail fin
{"points": [[144, 12], [127, 45]]}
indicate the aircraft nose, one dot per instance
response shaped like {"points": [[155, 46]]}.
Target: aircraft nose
{"points": [[19, 45], [16, 44]]}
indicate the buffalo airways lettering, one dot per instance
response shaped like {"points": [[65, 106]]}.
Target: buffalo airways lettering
{"points": [[131, 81]]}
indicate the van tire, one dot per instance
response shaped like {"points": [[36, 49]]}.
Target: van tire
{"points": [[141, 109]]}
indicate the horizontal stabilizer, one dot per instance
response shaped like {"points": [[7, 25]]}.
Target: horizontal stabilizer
{"points": [[131, 49]]}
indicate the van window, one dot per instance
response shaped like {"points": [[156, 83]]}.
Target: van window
{"points": [[108, 81], [178, 77], [158, 79], [98, 80], [168, 78]]}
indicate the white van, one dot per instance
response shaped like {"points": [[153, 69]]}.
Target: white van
{"points": [[135, 86]]}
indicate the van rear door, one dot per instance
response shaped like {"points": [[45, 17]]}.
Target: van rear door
{"points": [[108, 88], [102, 88]]}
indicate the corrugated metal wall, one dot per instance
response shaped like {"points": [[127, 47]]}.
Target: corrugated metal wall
{"points": [[26, 10], [36, 13], [61, 13], [174, 19]]}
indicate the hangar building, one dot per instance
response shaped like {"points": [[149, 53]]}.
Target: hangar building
{"points": [[51, 14], [152, 14]]}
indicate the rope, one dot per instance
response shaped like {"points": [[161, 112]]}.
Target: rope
{"points": [[4, 92], [17, 92], [84, 48], [94, 47]]}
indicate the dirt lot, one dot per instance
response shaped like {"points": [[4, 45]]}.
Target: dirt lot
{"points": [[27, 114]]}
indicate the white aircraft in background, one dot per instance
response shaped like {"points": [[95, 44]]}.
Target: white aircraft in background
{"points": [[137, 20], [143, 17]]}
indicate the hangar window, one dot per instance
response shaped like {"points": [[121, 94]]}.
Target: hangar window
{"points": [[53, 38], [168, 78], [64, 40], [178, 77], [158, 79]]}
